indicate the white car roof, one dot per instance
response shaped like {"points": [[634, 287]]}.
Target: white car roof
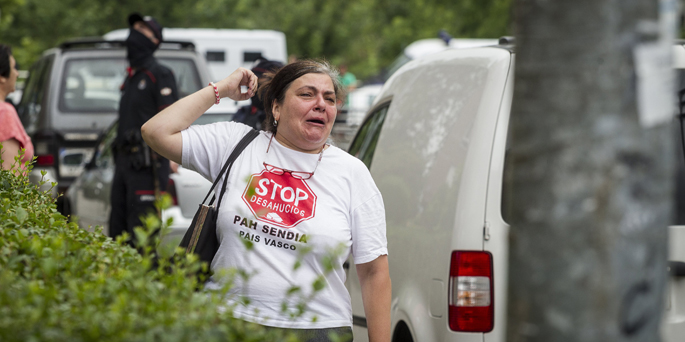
{"points": [[425, 47]]}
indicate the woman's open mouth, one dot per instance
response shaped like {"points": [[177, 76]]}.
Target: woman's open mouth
{"points": [[316, 121]]}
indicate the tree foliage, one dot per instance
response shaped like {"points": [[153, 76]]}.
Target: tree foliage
{"points": [[365, 34]]}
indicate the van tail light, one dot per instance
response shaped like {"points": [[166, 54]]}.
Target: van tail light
{"points": [[171, 190], [41, 148], [471, 300], [45, 160]]}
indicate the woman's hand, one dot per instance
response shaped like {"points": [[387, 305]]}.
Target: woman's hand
{"points": [[230, 86], [163, 131]]}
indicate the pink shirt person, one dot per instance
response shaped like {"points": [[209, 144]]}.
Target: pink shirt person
{"points": [[11, 128]]}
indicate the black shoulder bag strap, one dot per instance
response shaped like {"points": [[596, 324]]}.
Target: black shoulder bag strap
{"points": [[247, 139], [201, 235]]}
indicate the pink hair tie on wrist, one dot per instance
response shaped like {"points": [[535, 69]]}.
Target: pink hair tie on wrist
{"points": [[216, 92]]}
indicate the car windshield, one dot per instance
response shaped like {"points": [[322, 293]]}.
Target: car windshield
{"points": [[94, 84]]}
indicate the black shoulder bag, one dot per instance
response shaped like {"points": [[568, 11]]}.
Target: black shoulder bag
{"points": [[201, 237]]}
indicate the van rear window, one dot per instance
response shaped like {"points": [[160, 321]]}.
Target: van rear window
{"points": [[251, 56], [215, 56], [92, 85]]}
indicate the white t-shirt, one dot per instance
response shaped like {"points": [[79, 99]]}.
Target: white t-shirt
{"points": [[340, 206]]}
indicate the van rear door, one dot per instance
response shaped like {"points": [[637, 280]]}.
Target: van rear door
{"points": [[496, 229]]}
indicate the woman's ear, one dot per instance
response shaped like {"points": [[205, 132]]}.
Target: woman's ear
{"points": [[276, 110]]}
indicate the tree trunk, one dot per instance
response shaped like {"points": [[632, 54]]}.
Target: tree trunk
{"points": [[590, 172]]}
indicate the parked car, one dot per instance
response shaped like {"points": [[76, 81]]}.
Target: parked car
{"points": [[358, 102], [72, 94], [435, 141], [88, 197]]}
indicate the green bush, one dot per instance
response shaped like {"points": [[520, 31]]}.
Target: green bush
{"points": [[62, 283]]}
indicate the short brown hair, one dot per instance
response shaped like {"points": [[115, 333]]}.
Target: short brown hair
{"points": [[276, 84]]}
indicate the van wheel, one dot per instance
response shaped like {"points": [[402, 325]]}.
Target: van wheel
{"points": [[402, 333], [59, 202]]}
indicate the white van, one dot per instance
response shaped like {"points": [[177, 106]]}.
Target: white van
{"points": [[436, 134], [225, 49], [435, 141]]}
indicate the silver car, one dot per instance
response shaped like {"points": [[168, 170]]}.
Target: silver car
{"points": [[72, 95], [88, 197]]}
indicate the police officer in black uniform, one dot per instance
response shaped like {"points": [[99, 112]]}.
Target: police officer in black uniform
{"points": [[141, 175]]}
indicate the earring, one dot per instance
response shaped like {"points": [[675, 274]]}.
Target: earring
{"points": [[275, 122]]}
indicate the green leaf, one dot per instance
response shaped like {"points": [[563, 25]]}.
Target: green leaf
{"points": [[327, 262], [319, 283], [293, 289], [249, 245], [22, 215]]}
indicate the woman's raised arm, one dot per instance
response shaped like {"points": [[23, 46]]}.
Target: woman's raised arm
{"points": [[163, 132]]}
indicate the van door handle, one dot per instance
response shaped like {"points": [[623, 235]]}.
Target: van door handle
{"points": [[676, 268]]}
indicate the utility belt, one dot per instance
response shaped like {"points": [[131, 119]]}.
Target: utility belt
{"points": [[134, 149]]}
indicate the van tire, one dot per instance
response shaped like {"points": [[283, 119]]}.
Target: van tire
{"points": [[402, 333], [59, 203]]}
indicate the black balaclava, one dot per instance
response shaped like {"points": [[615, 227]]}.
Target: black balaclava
{"points": [[257, 102], [139, 49], [263, 66]]}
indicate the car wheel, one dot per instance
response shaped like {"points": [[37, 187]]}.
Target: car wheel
{"points": [[402, 333], [64, 207]]}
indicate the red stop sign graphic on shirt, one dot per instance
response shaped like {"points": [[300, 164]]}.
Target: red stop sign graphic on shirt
{"points": [[279, 199]]}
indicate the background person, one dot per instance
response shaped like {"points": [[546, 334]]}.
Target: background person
{"points": [[140, 174], [254, 114], [349, 83], [287, 183], [12, 134], [348, 80]]}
